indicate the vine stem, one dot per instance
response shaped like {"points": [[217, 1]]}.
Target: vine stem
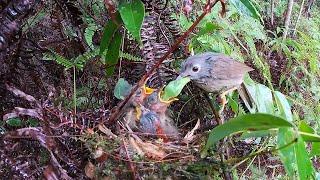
{"points": [[207, 8]]}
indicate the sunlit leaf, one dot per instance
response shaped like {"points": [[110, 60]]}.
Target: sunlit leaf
{"points": [[261, 96], [315, 149], [248, 122], [305, 168], [247, 7], [283, 106], [112, 54], [132, 14], [251, 134], [287, 154], [174, 88], [307, 133], [122, 89], [210, 27]]}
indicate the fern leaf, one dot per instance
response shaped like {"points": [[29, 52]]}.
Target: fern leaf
{"points": [[130, 57]]}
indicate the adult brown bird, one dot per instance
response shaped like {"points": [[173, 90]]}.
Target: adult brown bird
{"points": [[214, 72]]}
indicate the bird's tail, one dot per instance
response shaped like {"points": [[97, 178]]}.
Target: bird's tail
{"points": [[246, 97]]}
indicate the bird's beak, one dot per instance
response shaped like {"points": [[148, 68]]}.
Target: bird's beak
{"points": [[168, 101], [182, 75], [148, 90]]}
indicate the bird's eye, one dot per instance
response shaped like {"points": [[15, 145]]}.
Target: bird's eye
{"points": [[195, 69]]}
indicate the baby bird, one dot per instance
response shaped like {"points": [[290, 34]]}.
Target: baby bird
{"points": [[159, 106], [133, 110]]}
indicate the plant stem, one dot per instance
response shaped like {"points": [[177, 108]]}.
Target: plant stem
{"points": [[298, 19], [287, 19], [74, 93], [272, 12]]}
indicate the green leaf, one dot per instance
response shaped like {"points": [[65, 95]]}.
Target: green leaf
{"points": [[247, 122], [208, 28], [283, 106], [33, 122], [309, 137], [112, 55], [174, 88], [305, 168], [132, 14], [261, 96], [251, 134], [250, 8], [315, 150], [122, 89], [307, 133], [89, 32], [287, 154], [16, 122], [108, 33], [304, 127]]}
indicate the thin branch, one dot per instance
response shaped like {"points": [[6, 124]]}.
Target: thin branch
{"points": [[287, 20], [298, 19], [272, 12]]}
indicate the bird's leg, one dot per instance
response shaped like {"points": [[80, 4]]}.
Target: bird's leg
{"points": [[213, 107], [223, 100]]}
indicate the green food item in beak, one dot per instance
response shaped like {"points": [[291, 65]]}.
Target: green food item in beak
{"points": [[174, 88]]}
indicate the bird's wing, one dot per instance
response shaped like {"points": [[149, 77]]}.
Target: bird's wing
{"points": [[227, 68]]}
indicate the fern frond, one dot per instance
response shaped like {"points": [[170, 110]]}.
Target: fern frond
{"points": [[130, 57], [82, 59], [59, 59]]}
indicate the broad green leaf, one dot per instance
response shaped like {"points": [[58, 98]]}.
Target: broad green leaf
{"points": [[210, 27], [283, 106], [132, 14], [252, 9], [315, 149], [247, 122], [174, 88], [307, 133], [304, 127], [309, 137], [112, 54], [16, 122], [251, 134], [122, 89], [261, 96], [287, 154], [305, 168], [108, 33]]}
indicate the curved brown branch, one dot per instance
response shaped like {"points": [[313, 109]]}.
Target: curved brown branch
{"points": [[207, 8]]}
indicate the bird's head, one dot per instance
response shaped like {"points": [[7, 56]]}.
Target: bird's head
{"points": [[197, 66]]}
